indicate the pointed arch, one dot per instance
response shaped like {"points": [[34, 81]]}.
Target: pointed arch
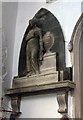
{"points": [[76, 40], [47, 22]]}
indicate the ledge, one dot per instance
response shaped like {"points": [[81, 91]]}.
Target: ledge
{"points": [[39, 89]]}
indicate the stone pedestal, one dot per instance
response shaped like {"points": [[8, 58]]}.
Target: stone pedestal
{"points": [[48, 74], [49, 63]]}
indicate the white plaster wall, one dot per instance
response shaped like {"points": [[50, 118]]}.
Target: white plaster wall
{"points": [[9, 15], [67, 13], [42, 106]]}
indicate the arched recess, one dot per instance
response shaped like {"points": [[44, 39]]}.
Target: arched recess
{"points": [[47, 22], [77, 55]]}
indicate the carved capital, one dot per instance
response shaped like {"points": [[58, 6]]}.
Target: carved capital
{"points": [[15, 103], [62, 99]]}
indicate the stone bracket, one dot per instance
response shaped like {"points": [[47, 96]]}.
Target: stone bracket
{"points": [[60, 87], [15, 103], [62, 98]]}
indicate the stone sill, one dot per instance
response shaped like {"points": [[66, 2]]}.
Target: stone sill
{"points": [[41, 89]]}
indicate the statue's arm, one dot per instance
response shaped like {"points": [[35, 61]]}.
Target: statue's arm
{"points": [[41, 40], [41, 44]]}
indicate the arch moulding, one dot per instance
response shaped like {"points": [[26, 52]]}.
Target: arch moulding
{"points": [[75, 53]]}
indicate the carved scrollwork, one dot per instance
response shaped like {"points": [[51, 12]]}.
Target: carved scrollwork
{"points": [[62, 99], [15, 103]]}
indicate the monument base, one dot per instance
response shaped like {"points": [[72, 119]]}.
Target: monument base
{"points": [[38, 79], [48, 74], [45, 82]]}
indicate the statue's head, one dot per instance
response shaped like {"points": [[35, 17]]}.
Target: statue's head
{"points": [[32, 22]]}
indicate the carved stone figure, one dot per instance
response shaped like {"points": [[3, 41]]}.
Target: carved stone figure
{"points": [[34, 48]]}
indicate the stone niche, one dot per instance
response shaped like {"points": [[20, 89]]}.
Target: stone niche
{"points": [[46, 75]]}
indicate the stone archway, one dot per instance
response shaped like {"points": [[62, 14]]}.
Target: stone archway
{"points": [[77, 41], [81, 70]]}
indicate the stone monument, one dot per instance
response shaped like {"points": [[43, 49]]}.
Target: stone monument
{"points": [[43, 55]]}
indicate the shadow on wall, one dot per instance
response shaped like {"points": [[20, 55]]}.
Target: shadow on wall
{"points": [[47, 22], [64, 118]]}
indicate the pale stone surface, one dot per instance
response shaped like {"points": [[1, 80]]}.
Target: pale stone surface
{"points": [[62, 99], [49, 62], [57, 86], [34, 80]]}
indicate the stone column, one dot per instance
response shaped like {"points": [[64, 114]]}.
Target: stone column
{"points": [[0, 55]]}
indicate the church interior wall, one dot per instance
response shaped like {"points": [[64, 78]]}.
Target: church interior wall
{"points": [[15, 22], [9, 15]]}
